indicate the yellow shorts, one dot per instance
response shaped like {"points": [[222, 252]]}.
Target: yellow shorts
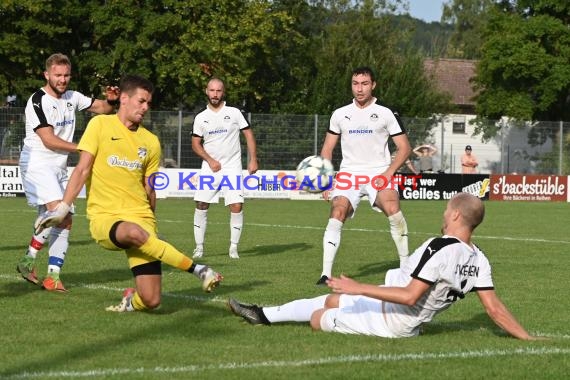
{"points": [[100, 228]]}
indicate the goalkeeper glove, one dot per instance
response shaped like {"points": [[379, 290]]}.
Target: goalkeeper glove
{"points": [[51, 218]]}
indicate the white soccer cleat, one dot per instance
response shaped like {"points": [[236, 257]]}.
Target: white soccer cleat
{"points": [[234, 252], [198, 253], [125, 304], [210, 279]]}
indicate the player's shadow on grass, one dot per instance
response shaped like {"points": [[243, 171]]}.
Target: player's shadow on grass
{"points": [[99, 276], [272, 249], [22, 247], [376, 269], [478, 322]]}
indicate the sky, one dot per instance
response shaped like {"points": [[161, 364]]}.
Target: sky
{"points": [[427, 10]]}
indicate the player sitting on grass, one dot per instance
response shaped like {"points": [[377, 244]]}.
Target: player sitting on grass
{"points": [[118, 158], [441, 271]]}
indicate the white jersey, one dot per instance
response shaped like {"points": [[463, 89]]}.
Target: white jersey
{"points": [[220, 133], [364, 134], [452, 269], [42, 110]]}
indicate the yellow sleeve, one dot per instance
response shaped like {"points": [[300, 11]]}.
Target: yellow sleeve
{"points": [[90, 140]]}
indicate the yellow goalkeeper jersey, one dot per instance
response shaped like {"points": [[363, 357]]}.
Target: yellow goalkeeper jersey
{"points": [[123, 158]]}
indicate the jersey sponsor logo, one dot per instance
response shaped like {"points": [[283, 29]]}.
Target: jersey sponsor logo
{"points": [[360, 131], [124, 163], [64, 123], [218, 131]]}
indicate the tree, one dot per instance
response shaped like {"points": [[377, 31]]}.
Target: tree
{"points": [[524, 72], [468, 18], [364, 36], [28, 37]]}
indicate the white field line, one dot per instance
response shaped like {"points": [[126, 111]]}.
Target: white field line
{"points": [[410, 232], [476, 236], [371, 358]]}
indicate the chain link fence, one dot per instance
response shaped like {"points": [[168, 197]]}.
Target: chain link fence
{"points": [[284, 140]]}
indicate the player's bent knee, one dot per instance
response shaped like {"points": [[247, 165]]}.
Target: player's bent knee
{"points": [[331, 302], [150, 301], [316, 319]]}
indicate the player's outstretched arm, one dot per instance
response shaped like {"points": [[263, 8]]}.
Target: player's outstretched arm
{"points": [[502, 316], [407, 295], [107, 106]]}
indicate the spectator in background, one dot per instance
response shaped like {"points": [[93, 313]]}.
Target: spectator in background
{"points": [[469, 162], [425, 153], [408, 166]]}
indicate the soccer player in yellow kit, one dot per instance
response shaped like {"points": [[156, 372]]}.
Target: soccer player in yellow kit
{"points": [[118, 157]]}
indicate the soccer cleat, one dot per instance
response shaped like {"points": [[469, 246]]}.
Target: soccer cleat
{"points": [[234, 252], [210, 279], [322, 280], [125, 304], [27, 268], [251, 313], [198, 253], [52, 283]]}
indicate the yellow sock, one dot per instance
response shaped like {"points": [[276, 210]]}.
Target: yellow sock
{"points": [[166, 253], [137, 303]]}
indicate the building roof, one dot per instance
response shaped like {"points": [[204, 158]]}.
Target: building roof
{"points": [[453, 76]]}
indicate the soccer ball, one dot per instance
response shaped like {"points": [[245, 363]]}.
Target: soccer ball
{"points": [[315, 174]]}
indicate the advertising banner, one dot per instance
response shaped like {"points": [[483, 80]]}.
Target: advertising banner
{"points": [[10, 182], [532, 188], [443, 186]]}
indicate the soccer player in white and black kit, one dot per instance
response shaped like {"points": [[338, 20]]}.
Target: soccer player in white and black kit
{"points": [[50, 125], [440, 272], [364, 128], [216, 139]]}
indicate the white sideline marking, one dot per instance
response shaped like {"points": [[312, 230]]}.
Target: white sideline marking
{"points": [[420, 356], [532, 240], [410, 232], [119, 291]]}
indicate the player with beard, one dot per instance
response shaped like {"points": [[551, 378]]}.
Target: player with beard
{"points": [[50, 125], [215, 139]]}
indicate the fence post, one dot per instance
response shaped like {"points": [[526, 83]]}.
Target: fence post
{"points": [[316, 134], [179, 145], [442, 147], [561, 139]]}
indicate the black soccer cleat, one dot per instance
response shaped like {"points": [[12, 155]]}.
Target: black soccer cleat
{"points": [[251, 313], [322, 280]]}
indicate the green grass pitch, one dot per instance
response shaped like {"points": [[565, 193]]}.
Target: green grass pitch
{"points": [[193, 335]]}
